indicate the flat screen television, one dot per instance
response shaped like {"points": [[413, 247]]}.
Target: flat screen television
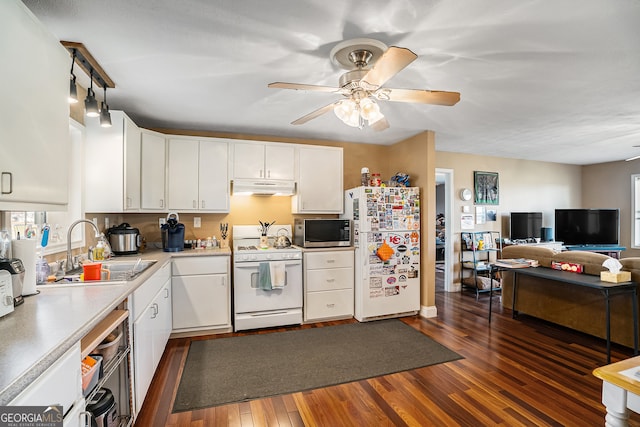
{"points": [[588, 227], [526, 225]]}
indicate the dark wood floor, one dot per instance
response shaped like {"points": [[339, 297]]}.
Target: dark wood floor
{"points": [[514, 372]]}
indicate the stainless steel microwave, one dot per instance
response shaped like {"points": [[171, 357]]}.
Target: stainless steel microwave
{"points": [[322, 233]]}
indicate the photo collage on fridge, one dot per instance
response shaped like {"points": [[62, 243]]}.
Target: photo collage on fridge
{"points": [[393, 214]]}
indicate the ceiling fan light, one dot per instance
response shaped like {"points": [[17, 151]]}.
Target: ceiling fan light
{"points": [[374, 117], [344, 109], [369, 109], [353, 119]]}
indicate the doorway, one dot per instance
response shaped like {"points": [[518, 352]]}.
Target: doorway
{"points": [[444, 213]]}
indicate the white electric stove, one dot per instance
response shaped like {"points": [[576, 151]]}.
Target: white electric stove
{"points": [[257, 307]]}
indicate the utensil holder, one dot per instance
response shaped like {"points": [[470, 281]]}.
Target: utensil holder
{"points": [[264, 242]]}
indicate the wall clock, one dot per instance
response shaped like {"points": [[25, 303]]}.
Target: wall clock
{"points": [[465, 194]]}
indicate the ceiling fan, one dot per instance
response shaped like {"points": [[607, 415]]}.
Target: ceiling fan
{"points": [[371, 64]]}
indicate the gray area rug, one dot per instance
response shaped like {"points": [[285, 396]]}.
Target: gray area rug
{"points": [[227, 370]]}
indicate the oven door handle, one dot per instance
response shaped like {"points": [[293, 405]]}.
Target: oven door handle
{"points": [[256, 264]]}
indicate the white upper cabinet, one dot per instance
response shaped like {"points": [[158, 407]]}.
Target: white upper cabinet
{"points": [[198, 174], [112, 165], [153, 171], [258, 160], [132, 150], [320, 180], [34, 113], [214, 175]]}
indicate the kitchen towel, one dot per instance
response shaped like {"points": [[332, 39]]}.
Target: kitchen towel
{"points": [[264, 276], [25, 251], [278, 274]]}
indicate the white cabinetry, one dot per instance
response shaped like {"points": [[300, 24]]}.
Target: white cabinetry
{"points": [[34, 113], [153, 171], [328, 284], [198, 174], [259, 160], [60, 384], [112, 165], [201, 293], [151, 309], [320, 180]]}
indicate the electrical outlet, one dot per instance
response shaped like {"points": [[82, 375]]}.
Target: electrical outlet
{"points": [[162, 221], [197, 223]]}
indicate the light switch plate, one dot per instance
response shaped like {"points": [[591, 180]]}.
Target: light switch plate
{"points": [[162, 221], [197, 223]]}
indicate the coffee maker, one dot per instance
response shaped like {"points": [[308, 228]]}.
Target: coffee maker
{"points": [[172, 234], [15, 267]]}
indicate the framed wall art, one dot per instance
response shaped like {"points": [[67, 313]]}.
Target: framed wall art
{"points": [[485, 185]]}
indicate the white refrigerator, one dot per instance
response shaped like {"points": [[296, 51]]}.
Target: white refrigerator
{"points": [[386, 235]]}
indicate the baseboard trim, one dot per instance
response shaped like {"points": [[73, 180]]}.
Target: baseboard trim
{"points": [[430, 311]]}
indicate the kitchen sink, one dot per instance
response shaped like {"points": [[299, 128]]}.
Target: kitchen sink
{"points": [[121, 272], [126, 270]]}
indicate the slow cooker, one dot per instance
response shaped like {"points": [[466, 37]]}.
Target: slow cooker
{"points": [[124, 239]]}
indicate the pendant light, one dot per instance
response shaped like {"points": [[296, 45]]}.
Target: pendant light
{"points": [[73, 89], [90, 103], [105, 115]]}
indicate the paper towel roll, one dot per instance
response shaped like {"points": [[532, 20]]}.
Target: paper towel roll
{"points": [[25, 250]]}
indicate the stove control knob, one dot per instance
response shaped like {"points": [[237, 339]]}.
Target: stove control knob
{"points": [[269, 256], [253, 257]]}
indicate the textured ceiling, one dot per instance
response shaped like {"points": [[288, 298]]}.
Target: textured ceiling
{"points": [[552, 80]]}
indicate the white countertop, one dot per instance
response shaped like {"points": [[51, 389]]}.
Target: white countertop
{"points": [[42, 329]]}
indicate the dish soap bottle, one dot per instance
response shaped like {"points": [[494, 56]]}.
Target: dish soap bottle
{"points": [[42, 270], [102, 251]]}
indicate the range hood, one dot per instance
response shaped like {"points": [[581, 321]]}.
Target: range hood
{"points": [[273, 187]]}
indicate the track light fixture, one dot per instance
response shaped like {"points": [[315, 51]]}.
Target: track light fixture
{"points": [[105, 115], [73, 89], [90, 103], [92, 68]]}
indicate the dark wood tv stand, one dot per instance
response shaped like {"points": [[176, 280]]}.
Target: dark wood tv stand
{"points": [[611, 250]]}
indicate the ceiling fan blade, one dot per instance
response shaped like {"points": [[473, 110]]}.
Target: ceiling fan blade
{"points": [[418, 95], [312, 115], [390, 63], [379, 125], [298, 86]]}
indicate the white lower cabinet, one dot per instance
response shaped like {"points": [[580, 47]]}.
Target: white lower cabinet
{"points": [[328, 285], [76, 417], [201, 293], [60, 384], [151, 307]]}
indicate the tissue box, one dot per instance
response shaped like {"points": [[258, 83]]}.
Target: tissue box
{"points": [[621, 276]]}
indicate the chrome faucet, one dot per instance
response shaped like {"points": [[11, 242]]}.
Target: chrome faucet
{"points": [[69, 263]]}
